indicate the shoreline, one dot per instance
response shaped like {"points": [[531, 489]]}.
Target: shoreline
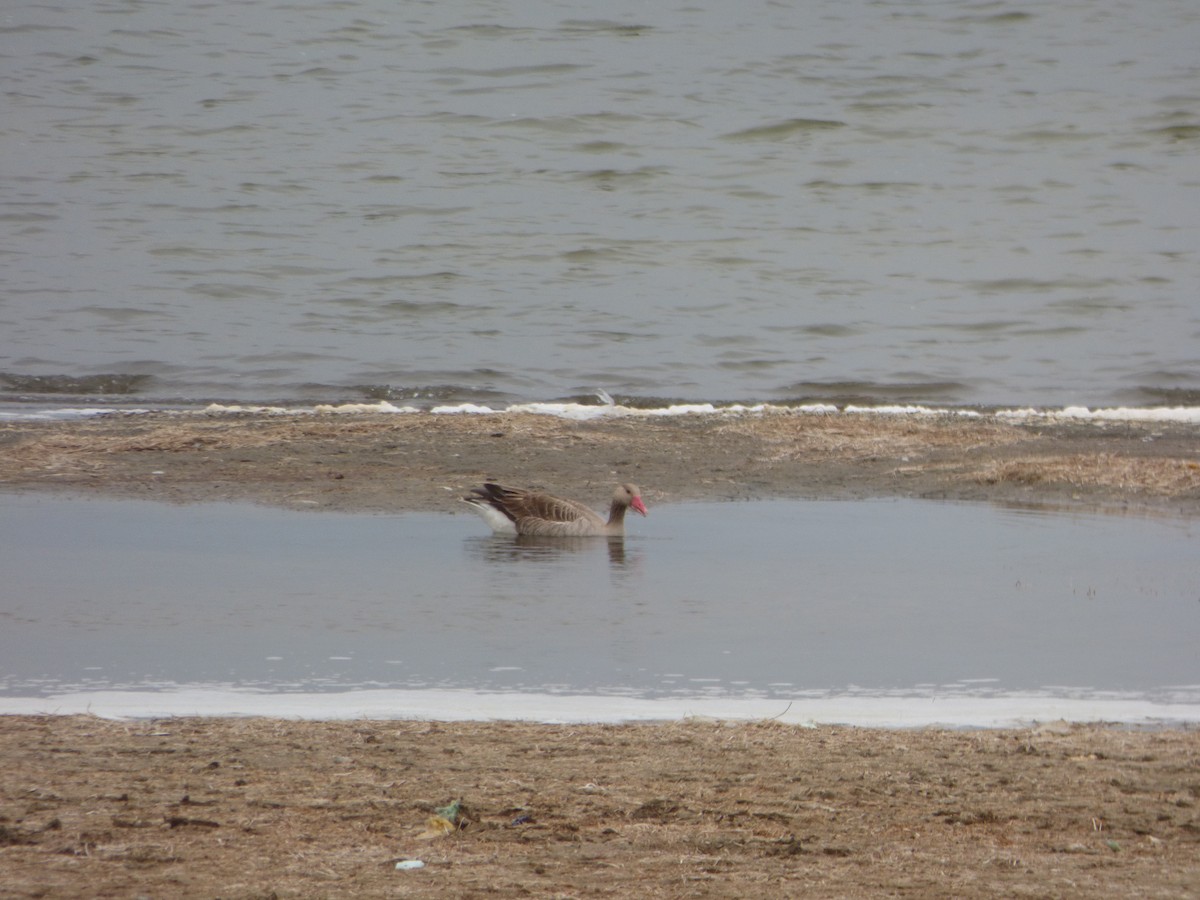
{"points": [[373, 462], [905, 710], [260, 804], [258, 807]]}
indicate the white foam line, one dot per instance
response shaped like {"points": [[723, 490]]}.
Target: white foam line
{"points": [[65, 413], [1188, 415], [451, 705], [912, 411]]}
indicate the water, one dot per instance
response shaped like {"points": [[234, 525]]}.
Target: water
{"points": [[949, 203], [775, 603]]}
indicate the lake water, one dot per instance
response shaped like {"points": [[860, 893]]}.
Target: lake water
{"points": [[858, 201], [891, 611]]}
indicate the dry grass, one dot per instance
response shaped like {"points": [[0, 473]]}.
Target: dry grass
{"points": [[259, 807], [870, 437], [1162, 477], [419, 461]]}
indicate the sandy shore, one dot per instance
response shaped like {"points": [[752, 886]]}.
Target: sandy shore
{"points": [[423, 462], [243, 808], [270, 808]]}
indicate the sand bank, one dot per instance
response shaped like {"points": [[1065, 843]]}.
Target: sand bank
{"points": [[421, 461]]}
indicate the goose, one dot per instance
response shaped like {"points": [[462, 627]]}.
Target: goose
{"points": [[516, 511]]}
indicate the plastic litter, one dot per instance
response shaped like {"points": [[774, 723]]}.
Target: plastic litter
{"points": [[445, 820]]}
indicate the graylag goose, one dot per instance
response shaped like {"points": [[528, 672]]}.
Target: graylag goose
{"points": [[515, 511]]}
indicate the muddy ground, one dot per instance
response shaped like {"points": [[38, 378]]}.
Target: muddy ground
{"points": [[423, 462], [258, 808]]}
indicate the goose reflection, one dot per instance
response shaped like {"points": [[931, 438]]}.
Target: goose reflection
{"points": [[529, 548]]}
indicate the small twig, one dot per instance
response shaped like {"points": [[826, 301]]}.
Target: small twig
{"points": [[782, 714]]}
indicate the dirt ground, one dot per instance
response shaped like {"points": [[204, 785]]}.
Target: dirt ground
{"points": [[242, 808], [424, 462], [258, 808]]}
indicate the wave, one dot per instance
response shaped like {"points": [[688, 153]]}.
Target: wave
{"points": [[1185, 415]]}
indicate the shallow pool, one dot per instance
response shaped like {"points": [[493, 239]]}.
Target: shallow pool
{"points": [[775, 602]]}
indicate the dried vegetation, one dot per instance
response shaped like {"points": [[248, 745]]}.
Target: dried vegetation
{"points": [[421, 462], [269, 808]]}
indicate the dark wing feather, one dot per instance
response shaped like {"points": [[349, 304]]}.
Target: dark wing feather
{"points": [[536, 506]]}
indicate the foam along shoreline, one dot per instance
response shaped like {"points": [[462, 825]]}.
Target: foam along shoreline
{"points": [[1189, 415], [866, 711]]}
